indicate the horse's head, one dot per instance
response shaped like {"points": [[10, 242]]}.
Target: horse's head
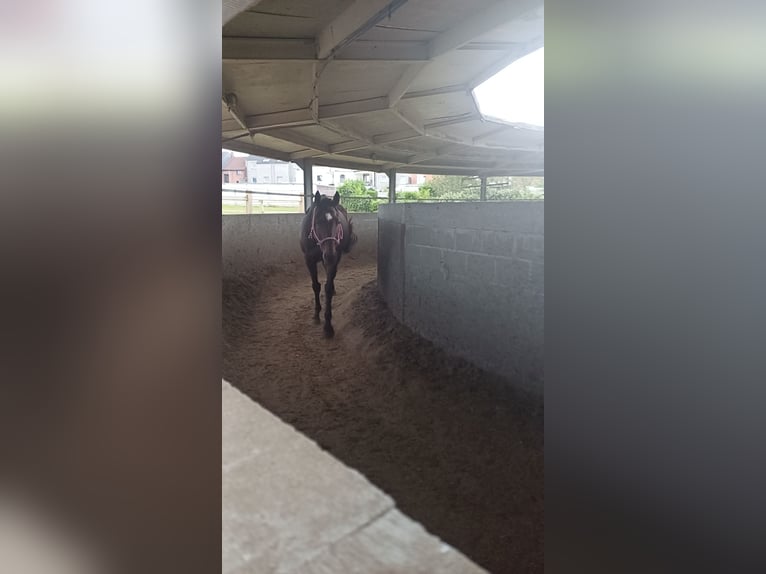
{"points": [[326, 226]]}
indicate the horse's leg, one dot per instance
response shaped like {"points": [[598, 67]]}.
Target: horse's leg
{"points": [[316, 285], [329, 291]]}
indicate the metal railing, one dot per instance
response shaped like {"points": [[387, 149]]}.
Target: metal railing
{"points": [[245, 202]]}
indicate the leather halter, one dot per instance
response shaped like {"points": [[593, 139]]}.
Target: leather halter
{"points": [[337, 238]]}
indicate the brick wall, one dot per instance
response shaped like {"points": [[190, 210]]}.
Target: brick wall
{"points": [[469, 277]]}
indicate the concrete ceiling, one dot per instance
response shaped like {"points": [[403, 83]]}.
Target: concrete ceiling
{"points": [[377, 84]]}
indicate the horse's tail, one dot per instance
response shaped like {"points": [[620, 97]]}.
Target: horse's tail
{"points": [[352, 237]]}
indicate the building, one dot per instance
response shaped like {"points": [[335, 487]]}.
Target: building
{"points": [[233, 170], [333, 176], [259, 170], [266, 170]]}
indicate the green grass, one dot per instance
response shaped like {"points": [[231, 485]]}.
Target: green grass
{"points": [[241, 210]]}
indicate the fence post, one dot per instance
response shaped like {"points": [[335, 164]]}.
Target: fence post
{"points": [[248, 203], [483, 193]]}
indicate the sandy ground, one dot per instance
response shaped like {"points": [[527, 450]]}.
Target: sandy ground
{"points": [[457, 448]]}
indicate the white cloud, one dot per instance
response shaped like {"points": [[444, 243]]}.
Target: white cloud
{"points": [[517, 93]]}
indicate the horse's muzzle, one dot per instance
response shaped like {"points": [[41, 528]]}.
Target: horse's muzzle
{"points": [[330, 256]]}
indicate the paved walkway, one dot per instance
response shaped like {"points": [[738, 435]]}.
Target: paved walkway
{"points": [[290, 508]]}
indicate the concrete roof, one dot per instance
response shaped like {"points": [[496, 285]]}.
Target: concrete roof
{"points": [[377, 84]]}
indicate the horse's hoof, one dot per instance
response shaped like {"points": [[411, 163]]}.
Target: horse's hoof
{"points": [[329, 332], [316, 320]]}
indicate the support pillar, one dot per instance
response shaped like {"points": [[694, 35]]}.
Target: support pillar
{"points": [[391, 186], [483, 192], [308, 183]]}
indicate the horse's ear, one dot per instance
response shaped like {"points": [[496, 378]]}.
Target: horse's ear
{"points": [[336, 198], [317, 196]]}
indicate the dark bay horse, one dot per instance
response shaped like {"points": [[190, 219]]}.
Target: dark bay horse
{"points": [[326, 234]]}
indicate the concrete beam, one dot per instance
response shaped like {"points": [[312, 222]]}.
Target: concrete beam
{"points": [[231, 103], [383, 166], [488, 46], [348, 146], [449, 150], [495, 15], [420, 158], [359, 141], [357, 144], [286, 119], [430, 130], [230, 9], [260, 50], [403, 83], [500, 156], [230, 137], [350, 163], [354, 108], [416, 52], [346, 132], [453, 89], [300, 140], [453, 162], [251, 148], [392, 157], [355, 20], [267, 49], [394, 137], [304, 153], [229, 125], [486, 135], [460, 119], [409, 122]]}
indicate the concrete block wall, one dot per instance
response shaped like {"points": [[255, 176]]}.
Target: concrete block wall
{"points": [[251, 242], [469, 277]]}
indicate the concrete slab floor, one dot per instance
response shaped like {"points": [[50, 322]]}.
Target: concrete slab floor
{"points": [[290, 508]]}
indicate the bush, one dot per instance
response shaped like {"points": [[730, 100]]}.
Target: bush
{"points": [[424, 192], [357, 197], [453, 187]]}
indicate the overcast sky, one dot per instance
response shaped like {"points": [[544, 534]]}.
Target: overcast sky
{"points": [[517, 93]]}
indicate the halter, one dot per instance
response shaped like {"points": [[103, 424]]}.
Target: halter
{"points": [[313, 234]]}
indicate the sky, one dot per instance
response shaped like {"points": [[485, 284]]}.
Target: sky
{"points": [[516, 94]]}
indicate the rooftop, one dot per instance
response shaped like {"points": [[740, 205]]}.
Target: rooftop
{"points": [[235, 163]]}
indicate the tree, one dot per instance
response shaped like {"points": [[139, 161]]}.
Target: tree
{"points": [[444, 187], [357, 197], [516, 187], [425, 191], [455, 187]]}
